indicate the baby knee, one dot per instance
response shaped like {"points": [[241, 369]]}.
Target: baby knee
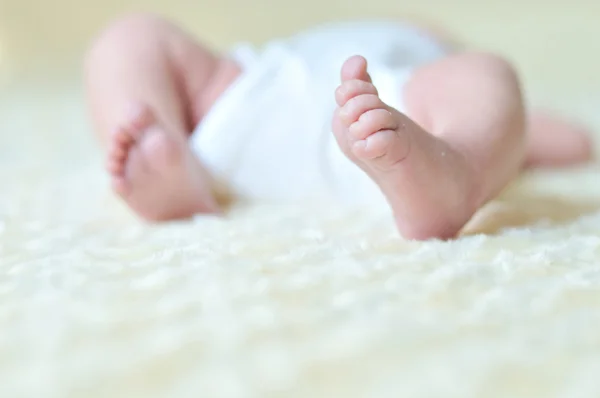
{"points": [[493, 66], [499, 77], [124, 33], [134, 23]]}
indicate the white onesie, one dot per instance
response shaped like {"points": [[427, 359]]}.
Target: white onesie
{"points": [[269, 135]]}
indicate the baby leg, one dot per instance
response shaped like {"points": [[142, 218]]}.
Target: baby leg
{"points": [[552, 141], [556, 142], [464, 140], [142, 100]]}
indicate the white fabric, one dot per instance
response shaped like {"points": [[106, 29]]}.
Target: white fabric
{"points": [[269, 135]]}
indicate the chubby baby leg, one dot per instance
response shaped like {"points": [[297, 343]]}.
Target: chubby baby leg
{"points": [[144, 103], [553, 141], [463, 142]]}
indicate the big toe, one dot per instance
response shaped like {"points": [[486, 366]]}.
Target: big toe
{"points": [[165, 151], [355, 67], [138, 117]]}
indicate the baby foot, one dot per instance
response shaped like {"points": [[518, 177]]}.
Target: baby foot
{"points": [[427, 183], [155, 172]]}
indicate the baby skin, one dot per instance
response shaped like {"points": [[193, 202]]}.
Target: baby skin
{"points": [[465, 135]]}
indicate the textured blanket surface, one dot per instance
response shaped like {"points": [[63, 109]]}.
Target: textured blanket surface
{"points": [[306, 300]]}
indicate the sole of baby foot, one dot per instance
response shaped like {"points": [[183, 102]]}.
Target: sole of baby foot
{"points": [[429, 186], [155, 172]]}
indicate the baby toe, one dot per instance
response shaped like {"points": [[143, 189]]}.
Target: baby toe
{"points": [[114, 166], [117, 151], [359, 105], [122, 138], [140, 122], [136, 112], [371, 122], [355, 67], [384, 149], [351, 89]]}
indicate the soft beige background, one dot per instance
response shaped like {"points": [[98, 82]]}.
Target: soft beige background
{"points": [[289, 301]]}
